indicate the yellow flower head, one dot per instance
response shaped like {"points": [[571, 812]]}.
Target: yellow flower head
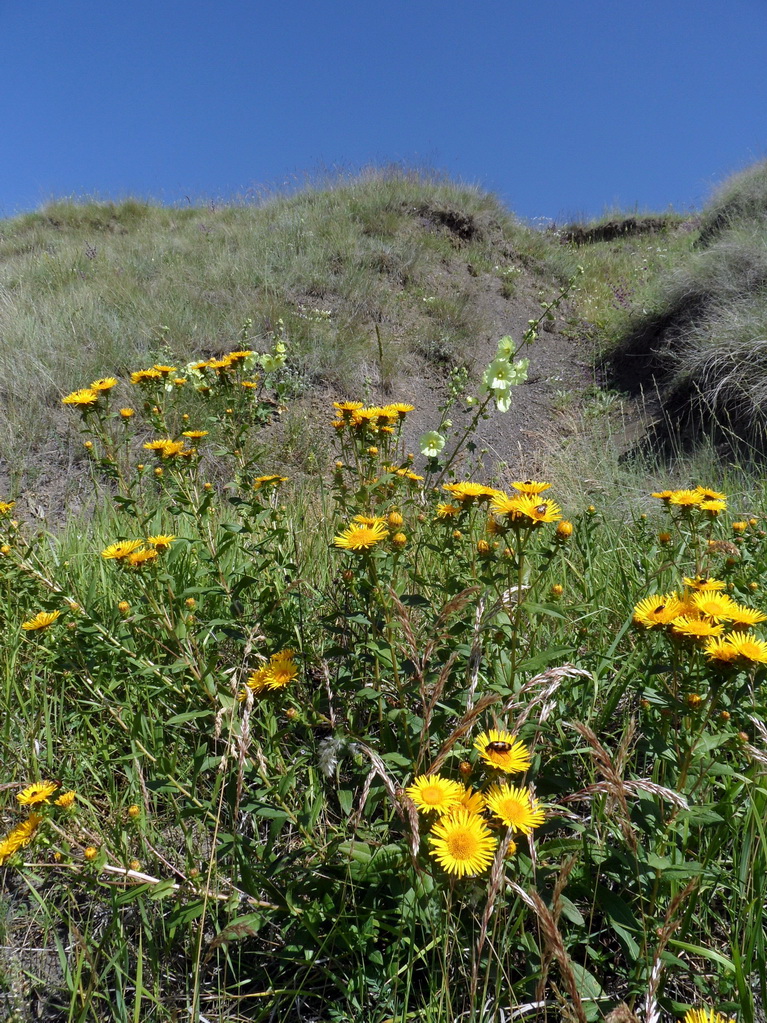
{"points": [[564, 529], [448, 511], [501, 750], [104, 384], [139, 558], [705, 1016], [702, 583], [462, 843], [717, 606], [686, 498], [695, 628], [720, 651], [83, 398], [41, 621], [361, 538], [530, 487], [20, 836], [66, 799], [268, 481], [748, 648], [742, 616], [6, 507], [143, 376], [195, 434], [657, 610], [161, 541], [120, 550], [710, 495], [433, 792], [515, 806], [126, 413], [469, 491], [472, 801], [37, 793]]}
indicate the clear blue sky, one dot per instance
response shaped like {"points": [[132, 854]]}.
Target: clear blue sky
{"points": [[562, 108]]}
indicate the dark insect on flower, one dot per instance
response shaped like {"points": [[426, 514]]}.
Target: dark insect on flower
{"points": [[541, 509], [498, 747]]}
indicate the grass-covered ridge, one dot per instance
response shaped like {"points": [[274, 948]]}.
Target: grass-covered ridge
{"points": [[87, 288], [700, 333]]}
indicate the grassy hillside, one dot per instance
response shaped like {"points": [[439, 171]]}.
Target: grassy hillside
{"points": [[89, 289], [395, 736], [699, 337]]}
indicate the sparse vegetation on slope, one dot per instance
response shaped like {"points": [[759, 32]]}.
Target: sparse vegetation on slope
{"points": [[701, 333]]}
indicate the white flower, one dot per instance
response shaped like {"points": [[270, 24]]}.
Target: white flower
{"points": [[506, 347], [431, 443]]}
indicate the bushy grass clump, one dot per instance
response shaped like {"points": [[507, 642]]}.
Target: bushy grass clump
{"points": [[698, 338], [741, 200], [412, 745]]}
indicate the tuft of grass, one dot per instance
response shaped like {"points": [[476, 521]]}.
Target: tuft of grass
{"points": [[742, 199]]}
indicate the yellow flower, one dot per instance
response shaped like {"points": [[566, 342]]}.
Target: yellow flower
{"points": [[710, 495], [41, 621], [501, 750], [66, 799], [268, 481], [121, 549], [394, 519], [748, 648], [717, 606], [515, 806], [399, 539], [195, 434], [696, 628], [462, 843], [142, 557], [741, 616], [20, 836], [37, 793], [90, 852], [538, 510], [6, 507], [84, 397], [164, 370], [104, 384], [472, 801], [448, 511], [361, 537], [705, 1016], [400, 407], [663, 495], [142, 376], [123, 607], [686, 498], [469, 491], [659, 609], [702, 583], [564, 529], [126, 413], [433, 792], [531, 487], [134, 810], [161, 541], [720, 650]]}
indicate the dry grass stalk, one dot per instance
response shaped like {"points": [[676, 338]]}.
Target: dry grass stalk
{"points": [[614, 785], [670, 923], [404, 807], [631, 787], [527, 699], [497, 876], [556, 945], [556, 910]]}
